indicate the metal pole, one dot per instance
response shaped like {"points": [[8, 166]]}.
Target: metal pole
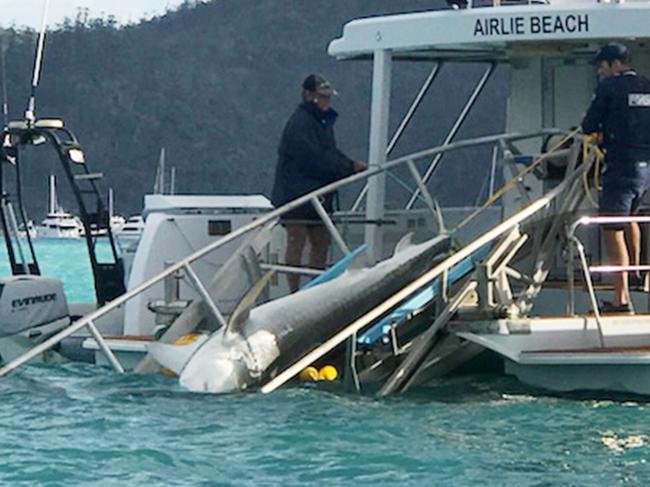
{"points": [[5, 100], [205, 295], [454, 129], [590, 288], [117, 366], [14, 228], [570, 277], [30, 113], [351, 378], [379, 113], [111, 204], [287, 269], [423, 189], [403, 124], [162, 171], [330, 226], [493, 170], [52, 196]]}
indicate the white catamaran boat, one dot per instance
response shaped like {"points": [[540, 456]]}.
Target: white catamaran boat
{"points": [[58, 223], [131, 231], [520, 302]]}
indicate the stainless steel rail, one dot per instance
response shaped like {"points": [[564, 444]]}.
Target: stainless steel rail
{"points": [[587, 270]]}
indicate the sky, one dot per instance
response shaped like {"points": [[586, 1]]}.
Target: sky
{"points": [[30, 12]]}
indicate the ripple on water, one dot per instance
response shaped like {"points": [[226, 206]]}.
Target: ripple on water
{"points": [[78, 424]]}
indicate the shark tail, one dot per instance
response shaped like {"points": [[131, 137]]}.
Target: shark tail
{"points": [[175, 356]]}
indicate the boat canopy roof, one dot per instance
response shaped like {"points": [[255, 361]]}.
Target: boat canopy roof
{"points": [[497, 33], [161, 202]]}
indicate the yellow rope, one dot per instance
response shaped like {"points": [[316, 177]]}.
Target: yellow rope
{"points": [[511, 183], [589, 142]]}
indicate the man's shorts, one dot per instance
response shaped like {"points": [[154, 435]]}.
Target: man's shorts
{"points": [[306, 214], [624, 186]]}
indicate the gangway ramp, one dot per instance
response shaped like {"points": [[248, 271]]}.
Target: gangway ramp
{"points": [[407, 292]]}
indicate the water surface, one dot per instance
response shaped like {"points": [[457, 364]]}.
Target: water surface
{"points": [[78, 424]]}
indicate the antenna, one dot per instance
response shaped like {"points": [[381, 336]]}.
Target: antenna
{"points": [[30, 113], [162, 171], [159, 183], [5, 101]]}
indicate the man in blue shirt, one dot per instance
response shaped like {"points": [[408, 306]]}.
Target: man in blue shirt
{"points": [[620, 111]]}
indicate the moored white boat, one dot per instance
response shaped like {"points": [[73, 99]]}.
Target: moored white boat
{"points": [[130, 232], [58, 223]]}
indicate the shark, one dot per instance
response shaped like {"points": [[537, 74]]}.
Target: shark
{"points": [[261, 341]]}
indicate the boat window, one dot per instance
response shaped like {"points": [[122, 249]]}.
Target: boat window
{"points": [[219, 227]]}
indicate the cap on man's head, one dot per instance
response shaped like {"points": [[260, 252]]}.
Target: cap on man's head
{"points": [[317, 84], [610, 52]]}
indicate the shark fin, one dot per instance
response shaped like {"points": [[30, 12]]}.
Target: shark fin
{"points": [[405, 242], [243, 308], [175, 357]]}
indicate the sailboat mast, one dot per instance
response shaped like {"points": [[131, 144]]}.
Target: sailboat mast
{"points": [[110, 205], [5, 101], [162, 171], [52, 195]]}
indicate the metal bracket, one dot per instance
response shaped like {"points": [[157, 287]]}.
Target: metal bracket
{"points": [[492, 275]]}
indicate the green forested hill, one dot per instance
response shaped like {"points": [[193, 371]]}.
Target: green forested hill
{"points": [[214, 83]]}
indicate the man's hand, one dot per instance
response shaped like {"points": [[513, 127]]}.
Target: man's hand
{"points": [[359, 166]]}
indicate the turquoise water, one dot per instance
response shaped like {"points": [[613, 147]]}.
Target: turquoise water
{"points": [[77, 424], [66, 259]]}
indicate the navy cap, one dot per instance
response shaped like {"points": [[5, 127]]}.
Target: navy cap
{"points": [[610, 52], [317, 84]]}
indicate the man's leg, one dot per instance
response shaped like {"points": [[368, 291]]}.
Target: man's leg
{"points": [[633, 242], [617, 252], [319, 240], [296, 235]]}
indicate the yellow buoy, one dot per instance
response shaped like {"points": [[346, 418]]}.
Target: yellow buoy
{"points": [[184, 340], [168, 373], [309, 374], [187, 339], [328, 372]]}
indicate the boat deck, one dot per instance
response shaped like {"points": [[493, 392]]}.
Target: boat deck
{"points": [[600, 350]]}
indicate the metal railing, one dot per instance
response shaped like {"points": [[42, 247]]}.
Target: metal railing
{"points": [[185, 264], [587, 270]]}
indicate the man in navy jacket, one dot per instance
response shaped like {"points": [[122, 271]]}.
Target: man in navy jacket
{"points": [[620, 111], [308, 159]]}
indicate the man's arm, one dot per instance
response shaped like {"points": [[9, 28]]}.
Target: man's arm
{"points": [[595, 115], [303, 146]]}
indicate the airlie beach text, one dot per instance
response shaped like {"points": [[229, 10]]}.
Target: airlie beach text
{"points": [[537, 24]]}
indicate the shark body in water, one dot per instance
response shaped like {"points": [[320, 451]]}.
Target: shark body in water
{"points": [[270, 337]]}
